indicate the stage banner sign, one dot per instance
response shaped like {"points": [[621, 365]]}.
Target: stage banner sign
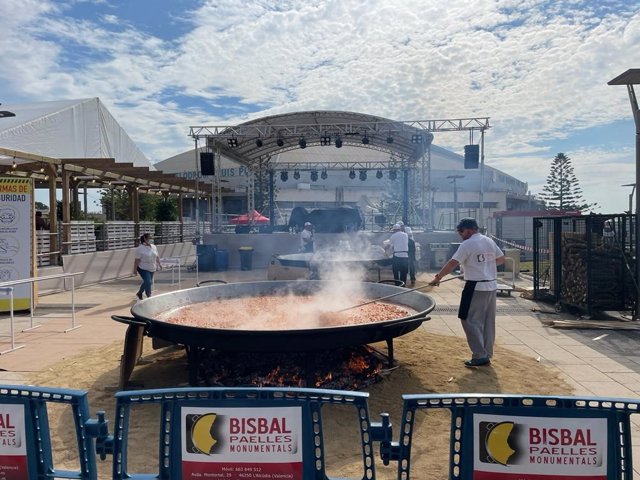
{"points": [[242, 443], [537, 448], [13, 449], [16, 239]]}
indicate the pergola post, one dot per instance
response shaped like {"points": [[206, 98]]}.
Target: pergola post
{"points": [[53, 214], [66, 211], [75, 203], [135, 210]]}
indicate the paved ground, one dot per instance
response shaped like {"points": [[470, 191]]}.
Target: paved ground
{"points": [[595, 362]]}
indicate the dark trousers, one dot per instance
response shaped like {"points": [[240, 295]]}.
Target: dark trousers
{"points": [[400, 267], [147, 281], [412, 260]]}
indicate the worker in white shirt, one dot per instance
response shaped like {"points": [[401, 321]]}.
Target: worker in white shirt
{"points": [[306, 238], [400, 262], [412, 251], [479, 257]]}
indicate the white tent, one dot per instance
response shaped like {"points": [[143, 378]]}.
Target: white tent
{"points": [[67, 129]]}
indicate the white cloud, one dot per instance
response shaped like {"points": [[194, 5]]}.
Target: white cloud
{"points": [[538, 68]]}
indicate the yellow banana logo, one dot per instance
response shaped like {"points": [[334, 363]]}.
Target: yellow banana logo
{"points": [[497, 442], [201, 433]]}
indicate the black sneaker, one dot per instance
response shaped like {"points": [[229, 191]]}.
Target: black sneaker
{"points": [[139, 295], [477, 362]]}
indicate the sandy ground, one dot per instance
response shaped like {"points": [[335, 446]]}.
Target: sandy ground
{"points": [[426, 363]]}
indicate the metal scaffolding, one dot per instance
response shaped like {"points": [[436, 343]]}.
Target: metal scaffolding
{"points": [[408, 144]]}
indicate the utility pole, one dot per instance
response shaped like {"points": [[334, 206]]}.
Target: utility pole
{"points": [[630, 78], [197, 196], [454, 179], [630, 195]]}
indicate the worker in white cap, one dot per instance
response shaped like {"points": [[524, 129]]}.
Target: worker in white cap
{"points": [[412, 251], [400, 262], [479, 257], [306, 238]]}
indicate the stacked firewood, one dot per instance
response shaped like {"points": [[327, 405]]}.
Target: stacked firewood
{"points": [[604, 265]]}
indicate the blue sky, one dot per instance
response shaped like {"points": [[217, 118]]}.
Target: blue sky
{"points": [[537, 68]]}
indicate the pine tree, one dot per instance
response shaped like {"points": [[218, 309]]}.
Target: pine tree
{"points": [[562, 190]]}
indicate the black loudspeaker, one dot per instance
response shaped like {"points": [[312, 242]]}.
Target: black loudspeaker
{"points": [[471, 156], [206, 163]]}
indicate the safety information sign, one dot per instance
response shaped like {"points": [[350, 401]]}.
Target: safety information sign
{"points": [[16, 239]]}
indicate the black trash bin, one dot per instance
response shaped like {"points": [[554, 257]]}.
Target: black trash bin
{"points": [[206, 257], [246, 258]]}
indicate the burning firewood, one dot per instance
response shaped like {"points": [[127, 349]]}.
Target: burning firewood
{"points": [[345, 368]]}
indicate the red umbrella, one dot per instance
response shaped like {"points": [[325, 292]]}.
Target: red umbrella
{"points": [[253, 217]]}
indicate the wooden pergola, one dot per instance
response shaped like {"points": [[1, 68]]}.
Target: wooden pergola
{"points": [[71, 173]]}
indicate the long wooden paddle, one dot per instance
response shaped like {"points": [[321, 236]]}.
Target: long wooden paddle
{"points": [[396, 294]]}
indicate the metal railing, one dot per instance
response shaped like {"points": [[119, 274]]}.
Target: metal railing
{"points": [[177, 263], [8, 289]]}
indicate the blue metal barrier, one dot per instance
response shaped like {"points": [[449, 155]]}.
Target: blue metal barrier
{"points": [[239, 433], [25, 437], [507, 437]]}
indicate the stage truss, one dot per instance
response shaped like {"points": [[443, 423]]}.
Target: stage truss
{"points": [[408, 143]]}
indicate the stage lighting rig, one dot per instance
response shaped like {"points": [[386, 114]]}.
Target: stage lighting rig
{"points": [[379, 174], [325, 140], [284, 175], [338, 142], [296, 174], [314, 175], [302, 142], [232, 142], [363, 175], [393, 174], [324, 175], [352, 174]]}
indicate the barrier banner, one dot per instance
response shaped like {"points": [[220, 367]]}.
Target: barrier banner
{"points": [[511, 447], [242, 443], [13, 449], [16, 239]]}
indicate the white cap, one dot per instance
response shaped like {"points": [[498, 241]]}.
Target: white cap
{"points": [[400, 222], [307, 224], [397, 226]]}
